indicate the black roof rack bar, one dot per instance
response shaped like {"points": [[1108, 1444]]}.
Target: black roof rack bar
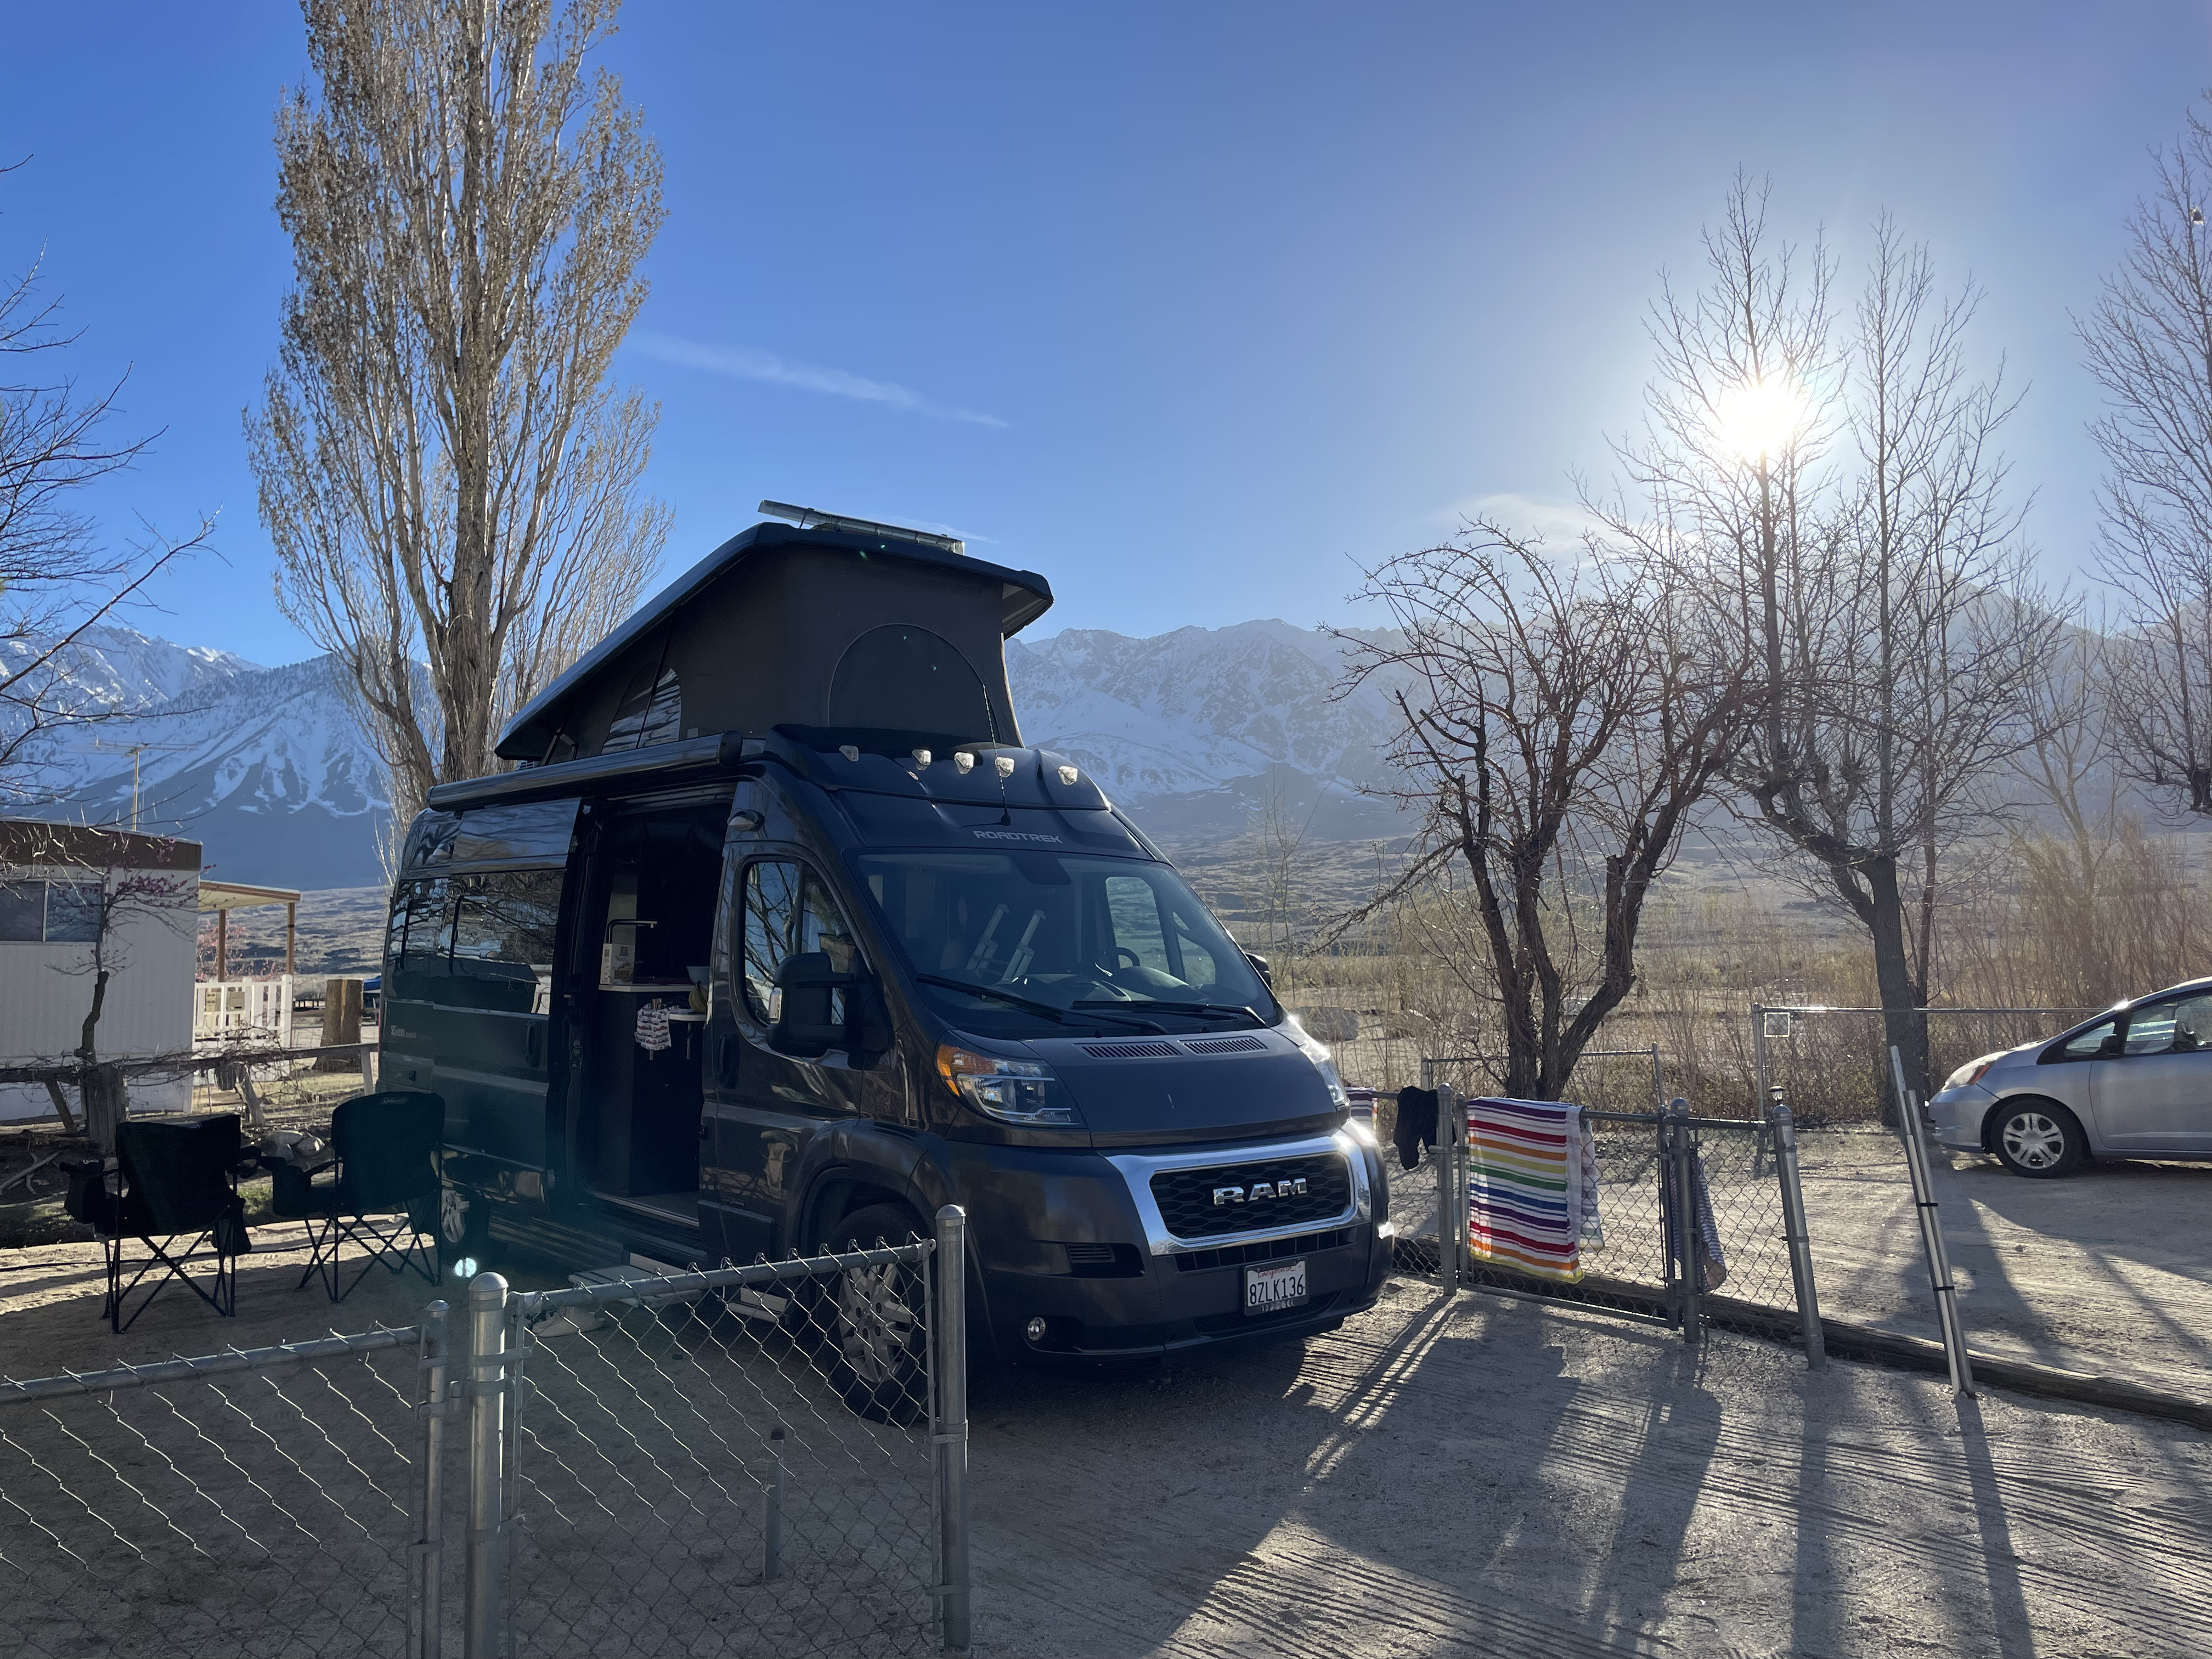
{"points": [[808, 518]]}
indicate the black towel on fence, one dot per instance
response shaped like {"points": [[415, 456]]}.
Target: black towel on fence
{"points": [[1417, 1124]]}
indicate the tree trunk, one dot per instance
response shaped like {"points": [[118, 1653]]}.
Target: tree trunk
{"points": [[1903, 1026], [84, 1045]]}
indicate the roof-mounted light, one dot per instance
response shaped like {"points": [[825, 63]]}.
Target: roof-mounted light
{"points": [[1005, 764], [1068, 775], [963, 761], [921, 757]]}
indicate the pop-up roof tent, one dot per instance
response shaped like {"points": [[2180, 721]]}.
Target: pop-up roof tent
{"points": [[859, 625]]}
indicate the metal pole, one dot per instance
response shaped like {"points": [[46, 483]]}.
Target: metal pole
{"points": [[487, 1385], [1451, 1215], [772, 1508], [1931, 1233], [1692, 1240], [1658, 1082], [950, 1437], [1428, 1073], [1757, 1057], [1801, 1245], [425, 1638]]}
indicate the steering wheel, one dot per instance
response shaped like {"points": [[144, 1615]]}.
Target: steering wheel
{"points": [[1122, 950]]}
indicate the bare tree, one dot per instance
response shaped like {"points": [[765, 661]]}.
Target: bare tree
{"points": [[445, 469], [1565, 718], [2148, 343], [57, 575], [1851, 507]]}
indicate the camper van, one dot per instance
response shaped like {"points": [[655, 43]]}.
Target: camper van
{"points": [[777, 936]]}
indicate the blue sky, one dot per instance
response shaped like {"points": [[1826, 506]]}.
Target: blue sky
{"points": [[1191, 308]]}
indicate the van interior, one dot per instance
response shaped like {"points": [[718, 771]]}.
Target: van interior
{"points": [[643, 939]]}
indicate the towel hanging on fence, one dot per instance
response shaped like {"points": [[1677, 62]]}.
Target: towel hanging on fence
{"points": [[1525, 1186], [1717, 1268]]}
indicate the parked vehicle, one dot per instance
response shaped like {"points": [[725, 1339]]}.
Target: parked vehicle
{"points": [[779, 937], [2133, 1082]]}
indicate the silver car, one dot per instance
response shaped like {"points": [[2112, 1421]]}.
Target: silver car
{"points": [[2134, 1082]]}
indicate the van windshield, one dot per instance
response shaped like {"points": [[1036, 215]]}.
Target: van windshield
{"points": [[1091, 944]]}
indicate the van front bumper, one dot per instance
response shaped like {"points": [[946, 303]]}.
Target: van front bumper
{"points": [[1157, 1294]]}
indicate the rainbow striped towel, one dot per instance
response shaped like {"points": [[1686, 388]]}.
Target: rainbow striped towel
{"points": [[1525, 1186]]}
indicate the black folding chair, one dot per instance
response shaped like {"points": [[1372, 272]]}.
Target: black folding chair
{"points": [[384, 1194], [175, 1181]]}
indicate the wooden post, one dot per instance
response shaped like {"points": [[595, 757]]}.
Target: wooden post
{"points": [[61, 1106], [291, 927], [341, 1022], [223, 944], [106, 1103]]}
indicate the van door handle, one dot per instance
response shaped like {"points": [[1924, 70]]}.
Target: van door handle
{"points": [[728, 1058]]}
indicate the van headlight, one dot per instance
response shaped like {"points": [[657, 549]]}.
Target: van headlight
{"points": [[1021, 1091], [1318, 1053]]}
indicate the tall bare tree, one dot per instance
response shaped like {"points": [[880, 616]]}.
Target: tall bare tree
{"points": [[447, 473], [1851, 505], [1562, 719], [2148, 343], [58, 575]]}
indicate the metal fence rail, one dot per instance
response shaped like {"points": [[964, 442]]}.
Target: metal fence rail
{"points": [[262, 1501]]}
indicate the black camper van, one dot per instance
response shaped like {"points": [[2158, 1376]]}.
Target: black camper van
{"points": [[777, 936]]}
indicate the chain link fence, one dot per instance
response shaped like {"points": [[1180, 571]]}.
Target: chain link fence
{"points": [[265, 1501], [764, 1460], [736, 1462]]}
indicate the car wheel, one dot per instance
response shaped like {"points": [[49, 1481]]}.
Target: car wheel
{"points": [[2037, 1138], [877, 1319]]}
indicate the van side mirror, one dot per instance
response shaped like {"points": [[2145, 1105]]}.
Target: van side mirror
{"points": [[1260, 966], [809, 986]]}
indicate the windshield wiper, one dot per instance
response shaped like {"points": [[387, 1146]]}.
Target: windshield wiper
{"points": [[1058, 1016], [1196, 1008]]}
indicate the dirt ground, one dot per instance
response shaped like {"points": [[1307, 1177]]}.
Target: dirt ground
{"points": [[2108, 1271], [1478, 1476]]}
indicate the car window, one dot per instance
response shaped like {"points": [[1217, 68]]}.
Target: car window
{"points": [[2086, 1045], [1132, 912], [789, 912], [2182, 1025]]}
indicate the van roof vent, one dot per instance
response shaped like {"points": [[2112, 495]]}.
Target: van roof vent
{"points": [[808, 518], [1131, 1050]]}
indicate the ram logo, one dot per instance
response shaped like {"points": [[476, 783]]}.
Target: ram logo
{"points": [[1258, 1192]]}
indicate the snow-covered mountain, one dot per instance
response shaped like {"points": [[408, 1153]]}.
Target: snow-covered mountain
{"points": [[1196, 730], [266, 767]]}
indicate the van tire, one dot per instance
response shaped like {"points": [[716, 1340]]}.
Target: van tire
{"points": [[874, 1322], [2035, 1138], [463, 1231]]}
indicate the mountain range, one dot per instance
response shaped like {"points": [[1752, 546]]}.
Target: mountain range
{"points": [[1197, 730]]}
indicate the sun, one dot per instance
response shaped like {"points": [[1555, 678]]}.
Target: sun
{"points": [[1755, 418]]}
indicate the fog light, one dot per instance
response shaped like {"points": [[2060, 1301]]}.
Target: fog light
{"points": [[1035, 1331]]}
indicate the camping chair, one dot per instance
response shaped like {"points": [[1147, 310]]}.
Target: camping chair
{"points": [[176, 1181], [384, 1195]]}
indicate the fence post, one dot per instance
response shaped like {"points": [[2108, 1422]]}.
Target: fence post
{"points": [[1449, 1205], [483, 1638], [772, 1507], [1931, 1233], [949, 1434], [1690, 1238], [1658, 1082], [1757, 1057], [426, 1583], [1801, 1245]]}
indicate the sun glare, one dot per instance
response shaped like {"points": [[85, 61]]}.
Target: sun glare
{"points": [[1760, 417]]}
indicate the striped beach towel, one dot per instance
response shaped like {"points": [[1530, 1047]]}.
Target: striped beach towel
{"points": [[1525, 1179]]}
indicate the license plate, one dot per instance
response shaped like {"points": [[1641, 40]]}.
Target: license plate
{"points": [[1271, 1290]]}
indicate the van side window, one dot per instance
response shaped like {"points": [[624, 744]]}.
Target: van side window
{"points": [[789, 912], [421, 936], [503, 938]]}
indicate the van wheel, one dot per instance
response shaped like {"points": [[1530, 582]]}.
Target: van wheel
{"points": [[2038, 1139], [464, 1235], [877, 1319]]}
